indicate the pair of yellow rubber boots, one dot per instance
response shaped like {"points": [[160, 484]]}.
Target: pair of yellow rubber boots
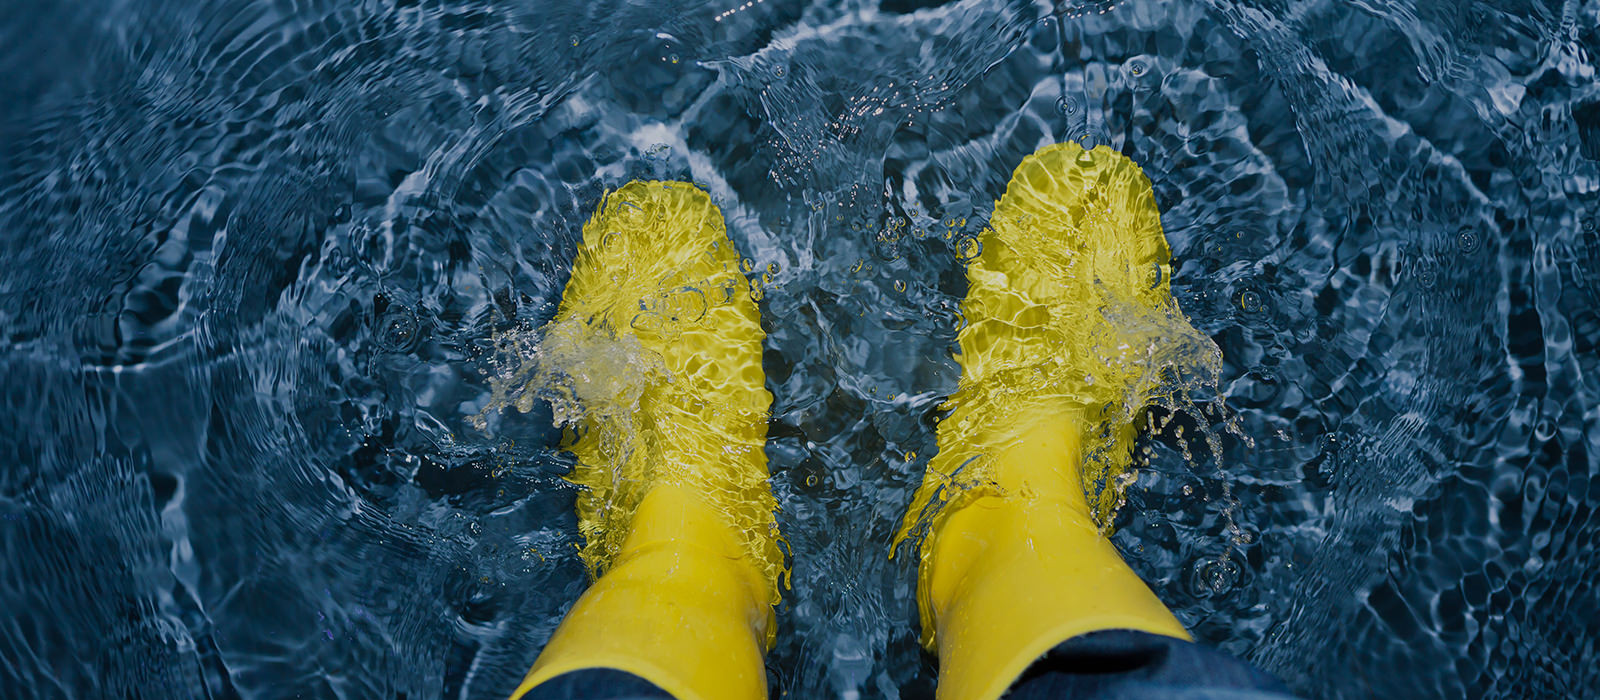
{"points": [[675, 509]]}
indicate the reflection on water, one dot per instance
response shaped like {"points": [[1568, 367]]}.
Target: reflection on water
{"points": [[258, 256]]}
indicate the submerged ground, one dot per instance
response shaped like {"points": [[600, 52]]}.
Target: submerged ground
{"points": [[253, 256]]}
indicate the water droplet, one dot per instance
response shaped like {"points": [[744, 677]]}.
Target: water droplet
{"points": [[968, 249], [1215, 576], [1088, 141], [1085, 159], [397, 330], [779, 71], [1544, 429], [1154, 275], [1137, 67], [1467, 240], [1067, 106], [647, 321], [900, 286], [573, 39], [748, 265], [672, 58], [1250, 301], [1427, 274]]}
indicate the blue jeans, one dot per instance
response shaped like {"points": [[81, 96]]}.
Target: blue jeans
{"points": [[1108, 665]]}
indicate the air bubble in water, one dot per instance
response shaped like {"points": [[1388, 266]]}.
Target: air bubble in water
{"points": [[1427, 274], [968, 249], [1067, 106], [1215, 576], [1467, 240], [1250, 301], [397, 330]]}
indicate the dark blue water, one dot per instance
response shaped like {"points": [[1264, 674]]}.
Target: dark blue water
{"points": [[252, 255]]}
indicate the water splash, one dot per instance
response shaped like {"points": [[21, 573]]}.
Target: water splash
{"points": [[578, 372]]}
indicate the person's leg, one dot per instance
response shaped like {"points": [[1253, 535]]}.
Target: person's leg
{"points": [[597, 684], [1130, 665], [658, 343], [1071, 330], [678, 609], [1014, 575]]}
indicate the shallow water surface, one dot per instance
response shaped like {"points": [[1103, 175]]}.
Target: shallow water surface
{"points": [[254, 256]]}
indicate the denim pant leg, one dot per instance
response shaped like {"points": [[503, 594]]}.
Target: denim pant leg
{"points": [[1130, 665], [597, 684]]}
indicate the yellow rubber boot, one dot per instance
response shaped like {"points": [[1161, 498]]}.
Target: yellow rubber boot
{"points": [[658, 344], [1067, 310]]}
